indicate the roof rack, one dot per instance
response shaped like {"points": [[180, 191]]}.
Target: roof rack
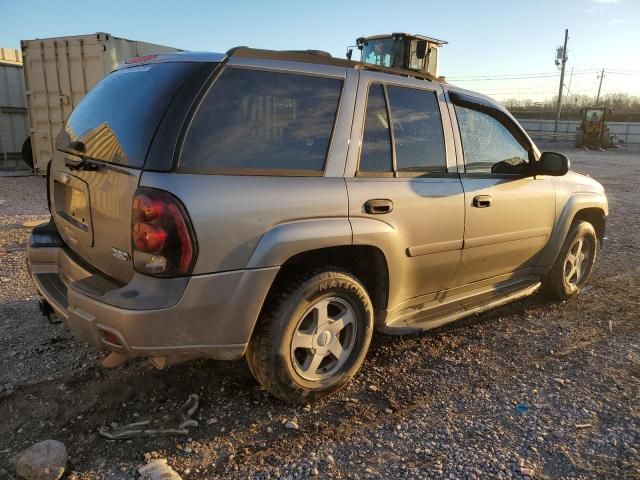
{"points": [[324, 58]]}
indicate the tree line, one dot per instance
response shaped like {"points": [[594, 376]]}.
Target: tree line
{"points": [[624, 107]]}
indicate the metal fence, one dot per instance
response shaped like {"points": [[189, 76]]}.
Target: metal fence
{"points": [[627, 132]]}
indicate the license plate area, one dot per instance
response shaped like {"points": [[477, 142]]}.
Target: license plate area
{"points": [[72, 205], [75, 205]]}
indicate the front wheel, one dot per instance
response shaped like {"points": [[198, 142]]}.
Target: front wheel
{"points": [[573, 266], [313, 337]]}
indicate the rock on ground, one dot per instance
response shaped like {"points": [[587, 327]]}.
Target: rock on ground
{"points": [[42, 461]]}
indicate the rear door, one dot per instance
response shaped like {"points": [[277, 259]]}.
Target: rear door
{"points": [[509, 213], [406, 177], [100, 156]]}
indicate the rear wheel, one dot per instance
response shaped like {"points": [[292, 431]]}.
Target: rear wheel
{"points": [[573, 266], [313, 338]]}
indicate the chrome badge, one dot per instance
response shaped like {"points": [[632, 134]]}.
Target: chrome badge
{"points": [[120, 254]]}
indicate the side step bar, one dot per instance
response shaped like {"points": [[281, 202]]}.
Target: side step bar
{"points": [[435, 316]]}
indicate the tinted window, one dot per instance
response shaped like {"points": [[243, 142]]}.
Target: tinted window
{"points": [[417, 130], [263, 120], [488, 146], [375, 155], [116, 120]]}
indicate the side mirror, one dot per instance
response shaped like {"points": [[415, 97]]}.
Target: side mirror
{"points": [[349, 53], [552, 163], [421, 49]]}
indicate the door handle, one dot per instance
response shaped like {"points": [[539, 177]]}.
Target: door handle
{"points": [[378, 206], [482, 201]]}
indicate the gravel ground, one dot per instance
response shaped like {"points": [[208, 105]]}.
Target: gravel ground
{"points": [[436, 405]]}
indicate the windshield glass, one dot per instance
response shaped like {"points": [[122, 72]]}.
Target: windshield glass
{"points": [[382, 52], [594, 115], [116, 120]]}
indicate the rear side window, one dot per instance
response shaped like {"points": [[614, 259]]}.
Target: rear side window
{"points": [[117, 119], [417, 130], [262, 121], [414, 139], [376, 155]]}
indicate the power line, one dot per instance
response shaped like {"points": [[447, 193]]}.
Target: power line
{"points": [[487, 79], [613, 72], [508, 76]]}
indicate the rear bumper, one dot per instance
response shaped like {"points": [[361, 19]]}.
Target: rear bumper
{"points": [[205, 315]]}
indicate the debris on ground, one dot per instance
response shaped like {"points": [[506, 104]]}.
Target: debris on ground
{"points": [[291, 424], [174, 424], [158, 469], [45, 460], [583, 425], [34, 223]]}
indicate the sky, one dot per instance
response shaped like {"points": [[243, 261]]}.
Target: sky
{"points": [[505, 49]]}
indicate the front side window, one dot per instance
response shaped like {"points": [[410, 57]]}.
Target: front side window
{"points": [[417, 130], [259, 120], [488, 145]]}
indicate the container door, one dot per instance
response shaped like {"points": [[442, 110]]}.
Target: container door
{"points": [[58, 73]]}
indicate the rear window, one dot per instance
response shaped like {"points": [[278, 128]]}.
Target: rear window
{"points": [[258, 121], [116, 120]]}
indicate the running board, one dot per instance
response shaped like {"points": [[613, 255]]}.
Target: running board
{"points": [[435, 316]]}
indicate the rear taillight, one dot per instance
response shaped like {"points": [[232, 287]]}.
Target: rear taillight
{"points": [[162, 237]]}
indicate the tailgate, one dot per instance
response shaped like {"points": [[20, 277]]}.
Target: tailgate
{"points": [[101, 153], [92, 210]]}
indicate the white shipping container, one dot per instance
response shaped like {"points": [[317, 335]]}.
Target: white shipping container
{"points": [[60, 71], [14, 127]]}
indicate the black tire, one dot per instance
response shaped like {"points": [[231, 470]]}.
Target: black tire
{"points": [[271, 356], [27, 153], [558, 283]]}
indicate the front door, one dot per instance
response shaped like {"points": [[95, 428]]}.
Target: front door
{"points": [[405, 195], [509, 212]]}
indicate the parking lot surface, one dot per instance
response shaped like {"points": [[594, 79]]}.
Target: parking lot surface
{"points": [[534, 389]]}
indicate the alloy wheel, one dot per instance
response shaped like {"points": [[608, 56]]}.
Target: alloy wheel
{"points": [[576, 262], [324, 338]]}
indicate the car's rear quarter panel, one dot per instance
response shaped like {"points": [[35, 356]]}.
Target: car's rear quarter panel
{"points": [[231, 214]]}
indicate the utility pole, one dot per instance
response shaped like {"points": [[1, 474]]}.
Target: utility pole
{"points": [[564, 62], [600, 87]]}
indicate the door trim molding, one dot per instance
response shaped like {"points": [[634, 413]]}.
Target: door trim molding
{"points": [[506, 237], [439, 247]]}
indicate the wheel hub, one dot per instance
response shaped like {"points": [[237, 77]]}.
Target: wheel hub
{"points": [[323, 338]]}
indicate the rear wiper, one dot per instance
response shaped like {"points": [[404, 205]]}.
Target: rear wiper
{"points": [[82, 164], [78, 148]]}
